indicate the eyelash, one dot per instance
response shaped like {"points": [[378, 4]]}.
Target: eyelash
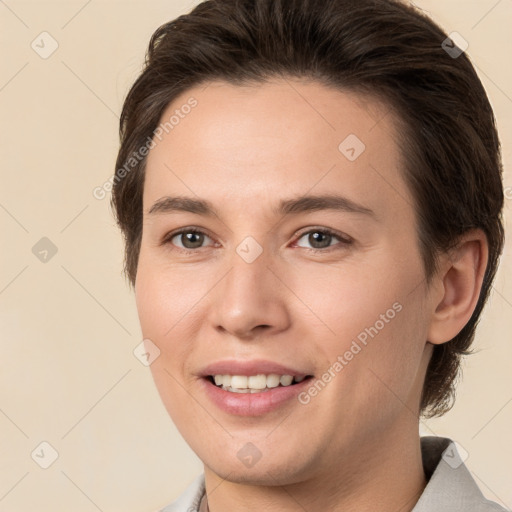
{"points": [[344, 241]]}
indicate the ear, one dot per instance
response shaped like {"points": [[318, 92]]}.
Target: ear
{"points": [[459, 283]]}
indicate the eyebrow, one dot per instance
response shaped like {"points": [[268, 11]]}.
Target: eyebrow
{"points": [[297, 205]]}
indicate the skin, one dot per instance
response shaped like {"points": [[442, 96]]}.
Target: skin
{"points": [[356, 442]]}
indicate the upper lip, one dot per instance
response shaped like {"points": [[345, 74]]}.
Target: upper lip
{"points": [[250, 367]]}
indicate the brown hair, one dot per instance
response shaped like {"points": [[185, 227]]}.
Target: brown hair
{"points": [[384, 48]]}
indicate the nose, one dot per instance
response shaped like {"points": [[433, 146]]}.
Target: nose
{"points": [[250, 301]]}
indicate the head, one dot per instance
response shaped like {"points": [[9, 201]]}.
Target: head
{"points": [[251, 107]]}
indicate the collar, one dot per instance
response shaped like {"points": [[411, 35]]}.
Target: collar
{"points": [[450, 486]]}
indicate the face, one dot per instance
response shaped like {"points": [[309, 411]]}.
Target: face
{"points": [[276, 244]]}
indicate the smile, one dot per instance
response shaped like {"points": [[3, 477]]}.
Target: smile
{"points": [[254, 383]]}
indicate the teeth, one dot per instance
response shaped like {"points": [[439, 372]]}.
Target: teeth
{"points": [[286, 380], [272, 381], [239, 381], [247, 390], [257, 382], [254, 383]]}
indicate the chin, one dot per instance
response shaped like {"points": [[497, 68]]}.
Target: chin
{"points": [[284, 471]]}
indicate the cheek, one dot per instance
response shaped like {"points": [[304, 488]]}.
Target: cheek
{"points": [[371, 317], [164, 296], [164, 300], [343, 301], [388, 366]]}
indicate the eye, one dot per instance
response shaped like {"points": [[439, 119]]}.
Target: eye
{"points": [[187, 239], [322, 238]]}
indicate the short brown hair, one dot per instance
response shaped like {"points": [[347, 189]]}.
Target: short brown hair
{"points": [[385, 48]]}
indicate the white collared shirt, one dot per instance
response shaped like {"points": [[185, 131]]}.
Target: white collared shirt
{"points": [[450, 486]]}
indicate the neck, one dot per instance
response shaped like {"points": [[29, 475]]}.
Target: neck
{"points": [[386, 474]]}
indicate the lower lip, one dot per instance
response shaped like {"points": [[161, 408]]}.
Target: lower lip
{"points": [[253, 404]]}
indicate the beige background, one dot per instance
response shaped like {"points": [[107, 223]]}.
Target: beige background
{"points": [[69, 326]]}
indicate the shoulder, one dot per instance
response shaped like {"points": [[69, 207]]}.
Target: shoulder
{"points": [[190, 499], [450, 485]]}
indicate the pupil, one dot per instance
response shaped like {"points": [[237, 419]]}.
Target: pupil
{"points": [[190, 243], [313, 239]]}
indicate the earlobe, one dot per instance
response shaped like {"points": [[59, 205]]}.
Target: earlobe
{"points": [[461, 278]]}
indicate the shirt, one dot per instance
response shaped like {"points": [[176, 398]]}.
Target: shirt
{"points": [[450, 486]]}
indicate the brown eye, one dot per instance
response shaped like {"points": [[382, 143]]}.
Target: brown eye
{"points": [[321, 239], [188, 239]]}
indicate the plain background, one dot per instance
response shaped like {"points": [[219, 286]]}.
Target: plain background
{"points": [[69, 325]]}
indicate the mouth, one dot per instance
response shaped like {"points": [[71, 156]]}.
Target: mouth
{"points": [[254, 387], [260, 383]]}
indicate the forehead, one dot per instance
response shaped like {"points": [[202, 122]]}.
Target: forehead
{"points": [[286, 137]]}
